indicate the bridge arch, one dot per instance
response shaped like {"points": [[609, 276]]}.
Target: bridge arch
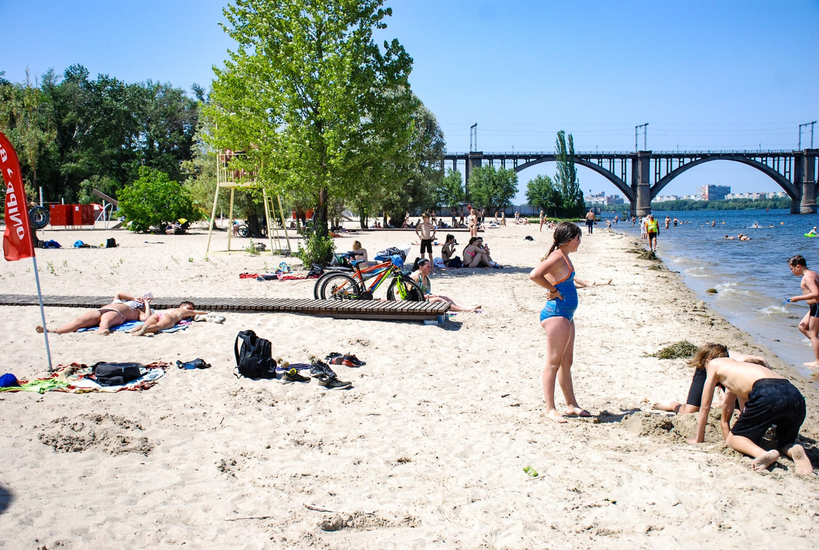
{"points": [[781, 180], [620, 184]]}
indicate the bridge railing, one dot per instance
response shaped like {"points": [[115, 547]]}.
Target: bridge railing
{"points": [[746, 152]]}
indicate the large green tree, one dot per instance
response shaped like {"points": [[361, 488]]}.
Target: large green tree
{"points": [[566, 180], [490, 188], [312, 98], [541, 192]]}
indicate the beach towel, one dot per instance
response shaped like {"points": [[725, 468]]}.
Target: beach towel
{"points": [[78, 378], [128, 325]]}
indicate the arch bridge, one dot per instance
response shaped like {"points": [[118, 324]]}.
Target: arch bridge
{"points": [[642, 175]]}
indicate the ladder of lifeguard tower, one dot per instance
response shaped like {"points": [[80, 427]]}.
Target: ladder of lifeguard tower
{"points": [[272, 228]]}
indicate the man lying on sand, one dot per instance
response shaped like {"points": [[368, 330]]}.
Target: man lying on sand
{"points": [[125, 307], [766, 399], [167, 319]]}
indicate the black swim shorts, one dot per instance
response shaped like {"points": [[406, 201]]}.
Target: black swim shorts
{"points": [[814, 310], [772, 401], [695, 391], [426, 245]]}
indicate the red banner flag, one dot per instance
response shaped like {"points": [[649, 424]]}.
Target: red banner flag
{"points": [[17, 241]]}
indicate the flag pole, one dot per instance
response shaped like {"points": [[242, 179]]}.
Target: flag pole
{"points": [[42, 313]]}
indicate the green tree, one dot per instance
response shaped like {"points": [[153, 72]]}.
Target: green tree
{"points": [[154, 200], [450, 192], [315, 96], [418, 170], [566, 180], [28, 125], [541, 192], [490, 188]]}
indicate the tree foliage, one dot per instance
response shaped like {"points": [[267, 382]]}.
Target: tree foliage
{"points": [[542, 193], [71, 129], [154, 200], [316, 103], [566, 180], [490, 188], [450, 192]]}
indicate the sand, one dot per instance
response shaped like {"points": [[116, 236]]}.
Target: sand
{"points": [[428, 448]]}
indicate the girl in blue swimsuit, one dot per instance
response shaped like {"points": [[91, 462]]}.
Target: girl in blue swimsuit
{"points": [[556, 274]]}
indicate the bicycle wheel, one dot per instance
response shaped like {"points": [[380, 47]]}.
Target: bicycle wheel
{"points": [[404, 288], [319, 284], [338, 286]]}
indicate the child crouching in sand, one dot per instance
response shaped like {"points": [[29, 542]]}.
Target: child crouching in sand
{"points": [[766, 399], [166, 319]]}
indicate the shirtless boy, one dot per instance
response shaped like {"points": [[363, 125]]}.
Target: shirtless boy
{"points": [[766, 399], [809, 325], [167, 319], [125, 307], [426, 231]]}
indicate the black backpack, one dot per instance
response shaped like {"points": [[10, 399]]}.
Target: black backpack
{"points": [[116, 374], [255, 358]]}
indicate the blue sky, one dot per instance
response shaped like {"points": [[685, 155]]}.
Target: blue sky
{"points": [[704, 75]]}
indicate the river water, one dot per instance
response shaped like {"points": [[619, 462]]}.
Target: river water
{"points": [[752, 278]]}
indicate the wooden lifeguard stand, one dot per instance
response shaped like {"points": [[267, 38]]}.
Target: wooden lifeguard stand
{"points": [[228, 178]]}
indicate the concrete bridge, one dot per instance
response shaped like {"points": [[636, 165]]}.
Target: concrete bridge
{"points": [[642, 175]]}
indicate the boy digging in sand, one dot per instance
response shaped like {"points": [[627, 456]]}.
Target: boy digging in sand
{"points": [[167, 319], [766, 399]]}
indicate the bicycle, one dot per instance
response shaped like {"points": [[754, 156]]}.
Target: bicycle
{"points": [[353, 285]]}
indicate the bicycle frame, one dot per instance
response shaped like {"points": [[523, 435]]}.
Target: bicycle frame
{"points": [[379, 272]]}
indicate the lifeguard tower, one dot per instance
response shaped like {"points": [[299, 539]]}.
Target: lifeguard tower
{"points": [[233, 179]]}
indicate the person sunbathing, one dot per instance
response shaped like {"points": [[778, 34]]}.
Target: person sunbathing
{"points": [[125, 307], [167, 319]]}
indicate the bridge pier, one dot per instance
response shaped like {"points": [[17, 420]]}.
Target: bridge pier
{"points": [[641, 184], [805, 180], [474, 160]]}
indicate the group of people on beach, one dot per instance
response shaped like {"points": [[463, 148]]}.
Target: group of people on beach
{"points": [[765, 398]]}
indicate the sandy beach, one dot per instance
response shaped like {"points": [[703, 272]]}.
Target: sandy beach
{"points": [[427, 449]]}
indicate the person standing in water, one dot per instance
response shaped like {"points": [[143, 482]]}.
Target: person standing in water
{"points": [[556, 274], [809, 325]]}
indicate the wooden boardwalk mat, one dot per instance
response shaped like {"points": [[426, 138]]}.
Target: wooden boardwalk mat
{"points": [[339, 309]]}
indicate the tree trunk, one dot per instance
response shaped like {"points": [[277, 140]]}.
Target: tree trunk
{"points": [[320, 215]]}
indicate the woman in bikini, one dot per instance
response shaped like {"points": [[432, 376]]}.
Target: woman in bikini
{"points": [[422, 278], [556, 274], [474, 256], [125, 307]]}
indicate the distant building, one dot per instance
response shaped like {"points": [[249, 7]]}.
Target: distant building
{"points": [[713, 192], [666, 198], [601, 199]]}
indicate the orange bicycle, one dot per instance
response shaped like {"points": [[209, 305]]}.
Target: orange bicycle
{"points": [[362, 283]]}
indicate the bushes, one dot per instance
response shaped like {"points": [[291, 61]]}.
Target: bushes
{"points": [[154, 200], [317, 249]]}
